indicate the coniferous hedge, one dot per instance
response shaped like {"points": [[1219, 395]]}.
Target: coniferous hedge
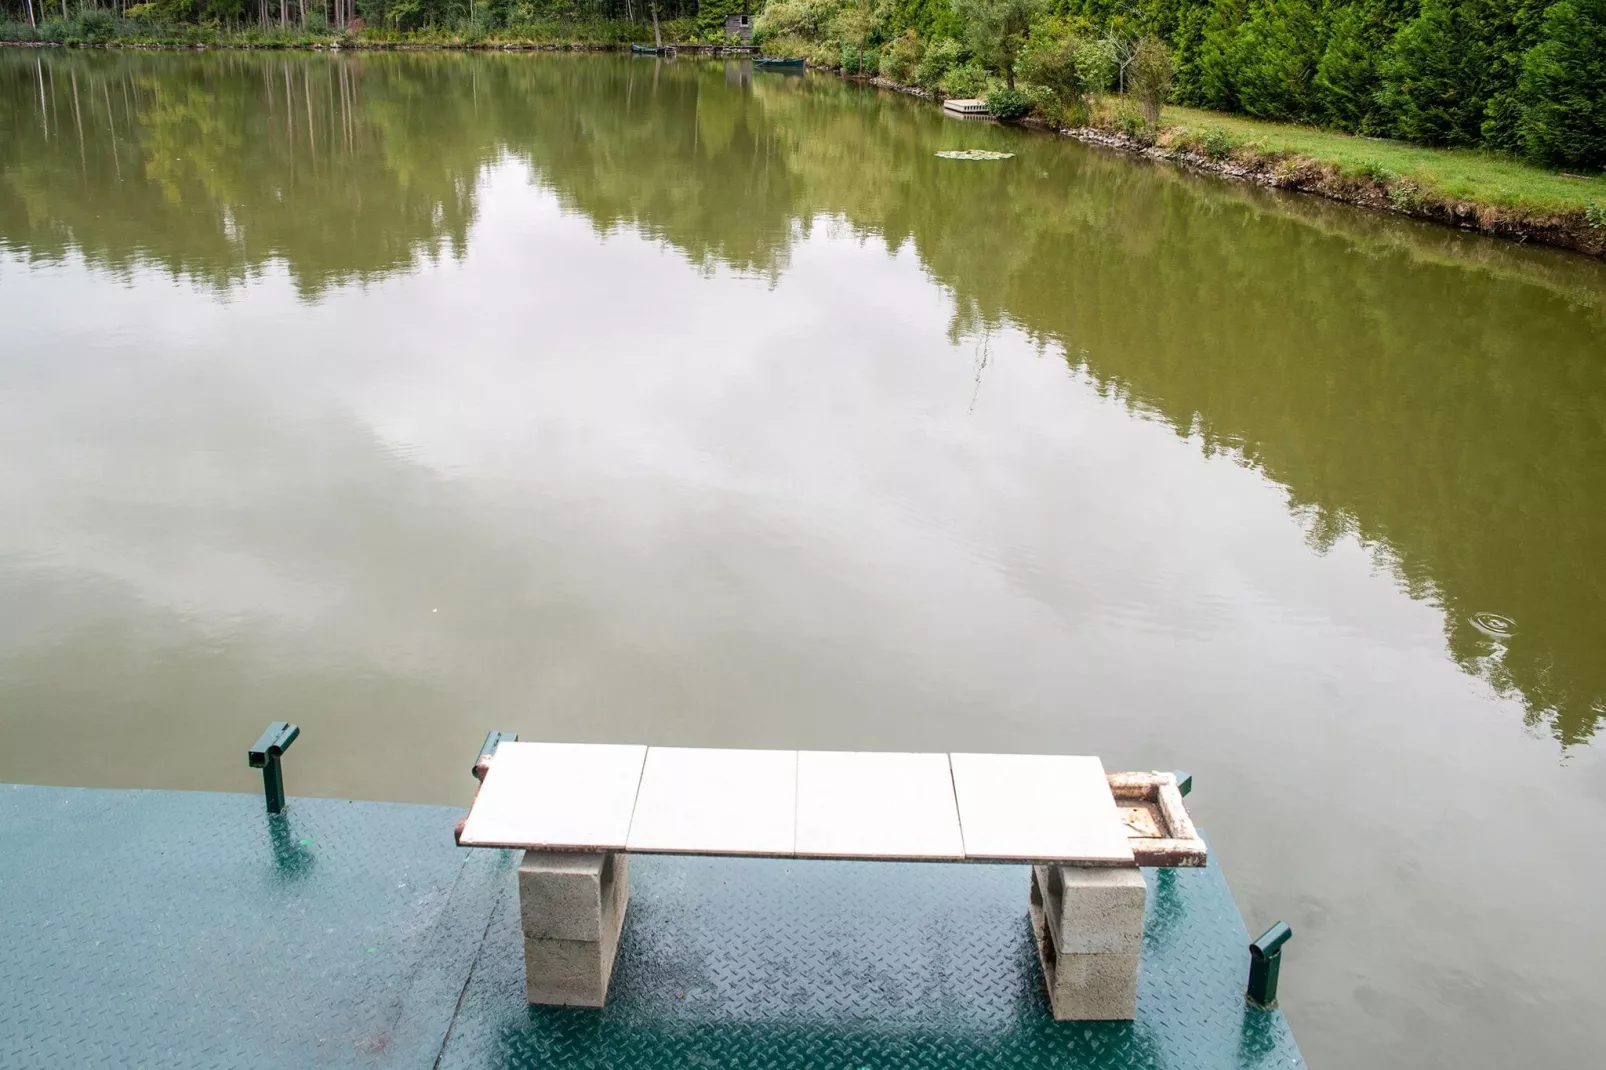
{"points": [[1526, 77]]}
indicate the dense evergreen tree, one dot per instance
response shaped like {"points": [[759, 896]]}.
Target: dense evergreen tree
{"points": [[1274, 57], [1436, 77], [1182, 26], [1511, 28], [1564, 87], [1347, 78], [1216, 74]]}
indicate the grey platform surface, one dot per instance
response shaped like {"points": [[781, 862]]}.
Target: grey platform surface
{"points": [[189, 929]]}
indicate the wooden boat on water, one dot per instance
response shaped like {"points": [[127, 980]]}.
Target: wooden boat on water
{"points": [[779, 63], [649, 50]]}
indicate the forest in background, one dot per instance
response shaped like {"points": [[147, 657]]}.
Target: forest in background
{"points": [[1525, 78], [290, 22]]}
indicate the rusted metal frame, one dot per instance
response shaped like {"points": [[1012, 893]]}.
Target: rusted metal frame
{"points": [[1180, 844]]}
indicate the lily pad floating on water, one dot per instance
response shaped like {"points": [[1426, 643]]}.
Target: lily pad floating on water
{"points": [[975, 154]]}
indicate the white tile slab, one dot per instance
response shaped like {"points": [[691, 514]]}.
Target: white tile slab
{"points": [[870, 805], [1037, 808], [716, 802], [557, 796]]}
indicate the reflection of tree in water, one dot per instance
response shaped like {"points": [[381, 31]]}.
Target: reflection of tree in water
{"points": [[215, 165], [1465, 446], [674, 149], [1459, 445]]}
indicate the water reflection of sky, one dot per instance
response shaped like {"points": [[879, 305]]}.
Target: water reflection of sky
{"points": [[863, 518]]}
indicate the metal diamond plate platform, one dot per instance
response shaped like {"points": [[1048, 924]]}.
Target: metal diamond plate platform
{"points": [[170, 929]]}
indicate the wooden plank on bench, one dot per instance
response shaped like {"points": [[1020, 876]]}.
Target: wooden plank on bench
{"points": [[695, 801], [1038, 808], [556, 796], [876, 805]]}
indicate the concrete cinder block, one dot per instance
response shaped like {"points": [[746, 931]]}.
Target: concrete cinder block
{"points": [[1083, 987], [1095, 988], [568, 973], [1093, 910], [566, 896], [575, 973]]}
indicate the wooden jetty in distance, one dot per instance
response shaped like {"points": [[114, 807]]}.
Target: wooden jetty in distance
{"points": [[968, 107]]}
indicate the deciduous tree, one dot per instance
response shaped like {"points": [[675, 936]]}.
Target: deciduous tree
{"points": [[998, 30]]}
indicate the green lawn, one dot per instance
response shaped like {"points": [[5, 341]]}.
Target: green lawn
{"points": [[1463, 174]]}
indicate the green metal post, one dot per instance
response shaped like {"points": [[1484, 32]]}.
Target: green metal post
{"points": [[1184, 781], [273, 785], [488, 748], [1265, 961], [265, 755]]}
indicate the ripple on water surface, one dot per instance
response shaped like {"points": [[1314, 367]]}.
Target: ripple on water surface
{"points": [[1494, 625]]}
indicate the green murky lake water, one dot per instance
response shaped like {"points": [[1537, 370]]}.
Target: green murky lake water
{"points": [[410, 396]]}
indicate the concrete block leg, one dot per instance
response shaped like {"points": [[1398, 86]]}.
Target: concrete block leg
{"points": [[572, 910], [1088, 922], [1095, 910]]}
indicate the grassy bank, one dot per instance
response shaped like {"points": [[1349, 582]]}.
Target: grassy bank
{"points": [[1467, 189], [1456, 174]]}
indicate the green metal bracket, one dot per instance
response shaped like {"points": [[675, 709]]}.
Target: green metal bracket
{"points": [[265, 756], [1265, 960], [488, 748], [1184, 781]]}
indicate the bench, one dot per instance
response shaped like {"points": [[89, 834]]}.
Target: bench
{"points": [[578, 811]]}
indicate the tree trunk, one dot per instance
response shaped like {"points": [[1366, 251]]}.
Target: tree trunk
{"points": [[657, 38], [31, 22]]}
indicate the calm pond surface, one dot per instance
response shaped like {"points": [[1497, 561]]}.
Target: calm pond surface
{"points": [[411, 396]]}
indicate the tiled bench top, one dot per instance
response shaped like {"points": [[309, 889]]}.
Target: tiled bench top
{"points": [[798, 804]]}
